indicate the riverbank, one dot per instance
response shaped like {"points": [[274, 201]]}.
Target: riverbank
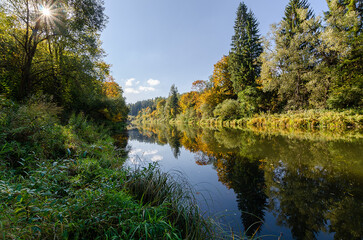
{"points": [[67, 181], [310, 120], [306, 120]]}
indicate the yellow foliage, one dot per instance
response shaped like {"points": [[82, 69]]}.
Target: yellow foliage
{"points": [[188, 100], [112, 89], [222, 78]]}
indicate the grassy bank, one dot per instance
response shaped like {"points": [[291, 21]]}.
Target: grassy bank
{"points": [[302, 120], [66, 181], [312, 124]]}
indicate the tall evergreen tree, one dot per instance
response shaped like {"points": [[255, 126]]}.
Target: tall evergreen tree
{"points": [[172, 105], [290, 68], [293, 20], [244, 66]]}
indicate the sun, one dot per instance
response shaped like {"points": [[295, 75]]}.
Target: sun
{"points": [[46, 12]]}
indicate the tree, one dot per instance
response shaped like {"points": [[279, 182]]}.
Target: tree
{"points": [[343, 52], [172, 105], [291, 65], [228, 109], [45, 27], [10, 57], [112, 89], [188, 101], [244, 66], [221, 79], [200, 86], [293, 19]]}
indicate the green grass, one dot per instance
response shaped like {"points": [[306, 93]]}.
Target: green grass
{"points": [[154, 187], [68, 182], [310, 120]]}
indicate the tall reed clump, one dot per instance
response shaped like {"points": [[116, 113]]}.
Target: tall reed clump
{"points": [[153, 187]]}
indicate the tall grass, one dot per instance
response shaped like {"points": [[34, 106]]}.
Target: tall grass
{"points": [[153, 187], [310, 120]]}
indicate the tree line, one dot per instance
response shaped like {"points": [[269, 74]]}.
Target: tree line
{"points": [[307, 62]]}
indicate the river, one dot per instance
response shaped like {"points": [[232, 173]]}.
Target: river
{"points": [[266, 185]]}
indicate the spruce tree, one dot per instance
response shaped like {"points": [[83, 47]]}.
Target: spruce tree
{"points": [[172, 104], [293, 20], [290, 68], [244, 66]]}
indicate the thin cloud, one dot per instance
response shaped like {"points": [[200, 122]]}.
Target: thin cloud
{"points": [[146, 89], [129, 82], [153, 82], [131, 90]]}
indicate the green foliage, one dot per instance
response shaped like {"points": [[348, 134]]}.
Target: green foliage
{"points": [[290, 68], [343, 53], [31, 131], [228, 109], [153, 187], [244, 66], [58, 55], [67, 182], [172, 105]]}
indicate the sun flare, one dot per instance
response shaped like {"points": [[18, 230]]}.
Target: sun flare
{"points": [[46, 12]]}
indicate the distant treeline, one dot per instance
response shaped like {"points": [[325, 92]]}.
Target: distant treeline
{"points": [[139, 105], [307, 62]]}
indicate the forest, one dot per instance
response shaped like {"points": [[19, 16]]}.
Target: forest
{"points": [[308, 65]]}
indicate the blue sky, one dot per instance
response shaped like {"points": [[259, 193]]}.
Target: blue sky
{"points": [[152, 44]]}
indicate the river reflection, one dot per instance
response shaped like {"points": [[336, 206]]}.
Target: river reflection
{"points": [[288, 187]]}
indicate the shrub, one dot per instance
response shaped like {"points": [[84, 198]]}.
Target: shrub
{"points": [[227, 110], [31, 131]]}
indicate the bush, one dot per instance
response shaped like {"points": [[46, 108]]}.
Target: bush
{"points": [[31, 131], [227, 110]]}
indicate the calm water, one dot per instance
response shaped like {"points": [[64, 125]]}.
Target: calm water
{"points": [[295, 187]]}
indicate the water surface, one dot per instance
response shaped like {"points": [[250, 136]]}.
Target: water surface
{"points": [[267, 185]]}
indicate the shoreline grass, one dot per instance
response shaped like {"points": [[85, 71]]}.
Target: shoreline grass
{"points": [[310, 124]]}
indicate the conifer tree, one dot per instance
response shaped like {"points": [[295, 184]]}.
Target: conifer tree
{"points": [[172, 105], [291, 66], [244, 66], [293, 20]]}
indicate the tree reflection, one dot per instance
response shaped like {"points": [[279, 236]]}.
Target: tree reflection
{"points": [[310, 185], [246, 178]]}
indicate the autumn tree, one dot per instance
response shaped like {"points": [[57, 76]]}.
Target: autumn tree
{"points": [[160, 108], [200, 85], [188, 101], [221, 79], [219, 89], [111, 88]]}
